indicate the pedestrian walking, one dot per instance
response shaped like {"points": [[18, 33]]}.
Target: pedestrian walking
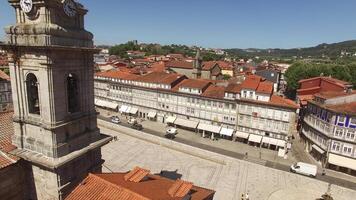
{"points": [[247, 197]]}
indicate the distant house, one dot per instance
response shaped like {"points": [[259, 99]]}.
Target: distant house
{"points": [[135, 54], [272, 75]]}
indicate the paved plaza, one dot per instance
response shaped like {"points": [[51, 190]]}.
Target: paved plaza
{"points": [[227, 176]]}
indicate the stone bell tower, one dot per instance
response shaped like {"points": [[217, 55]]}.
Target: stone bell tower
{"points": [[51, 66]]}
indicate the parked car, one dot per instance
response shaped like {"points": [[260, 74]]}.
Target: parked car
{"points": [[137, 126], [305, 169], [115, 119], [132, 121], [173, 131]]}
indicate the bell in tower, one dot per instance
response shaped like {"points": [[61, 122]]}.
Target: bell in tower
{"points": [[52, 70]]}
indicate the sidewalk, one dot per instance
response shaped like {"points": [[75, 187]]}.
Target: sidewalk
{"points": [[237, 150], [255, 154]]}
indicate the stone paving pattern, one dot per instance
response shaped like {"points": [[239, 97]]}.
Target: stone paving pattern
{"points": [[229, 179]]}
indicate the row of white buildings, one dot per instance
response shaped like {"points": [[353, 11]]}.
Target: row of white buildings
{"points": [[329, 130], [247, 111]]}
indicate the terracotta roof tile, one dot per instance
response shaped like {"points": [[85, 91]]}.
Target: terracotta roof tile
{"points": [[123, 75], [209, 65], [180, 188], [347, 108], [6, 132], [195, 83], [214, 92], [158, 67], [265, 87], [330, 79], [333, 94], [233, 88], [136, 175], [114, 186], [160, 77], [180, 64]]}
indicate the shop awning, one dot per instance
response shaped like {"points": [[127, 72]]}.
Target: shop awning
{"points": [[242, 134], [269, 140], [186, 123], [171, 119], [111, 105], [133, 111], [152, 114], [123, 109], [318, 149], [227, 131], [255, 138], [128, 110], [281, 143], [342, 161], [209, 127], [107, 104], [99, 102]]}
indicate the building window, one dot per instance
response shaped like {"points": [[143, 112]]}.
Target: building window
{"points": [[339, 132], [72, 93], [347, 149], [336, 146], [32, 94], [350, 135]]}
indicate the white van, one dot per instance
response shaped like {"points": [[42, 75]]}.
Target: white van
{"points": [[304, 168]]}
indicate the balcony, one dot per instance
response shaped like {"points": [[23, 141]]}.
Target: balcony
{"points": [[318, 124]]}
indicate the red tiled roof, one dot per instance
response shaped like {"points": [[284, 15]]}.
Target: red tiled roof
{"points": [[160, 77], [180, 64], [112, 186], [209, 65], [215, 92], [347, 108], [117, 74], [225, 65], [180, 188], [277, 100], [136, 175], [233, 88], [265, 87], [330, 79], [251, 82], [4, 76], [195, 83], [158, 67], [6, 132], [333, 94]]}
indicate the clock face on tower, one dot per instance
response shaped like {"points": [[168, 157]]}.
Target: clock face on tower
{"points": [[26, 5], [69, 8]]}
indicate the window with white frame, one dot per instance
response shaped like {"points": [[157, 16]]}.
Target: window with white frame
{"points": [[350, 135], [339, 132], [347, 149], [336, 146]]}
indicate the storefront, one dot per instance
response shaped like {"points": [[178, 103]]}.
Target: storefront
{"points": [[254, 140], [242, 136], [186, 124], [208, 130]]}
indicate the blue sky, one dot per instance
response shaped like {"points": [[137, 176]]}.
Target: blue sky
{"points": [[217, 23]]}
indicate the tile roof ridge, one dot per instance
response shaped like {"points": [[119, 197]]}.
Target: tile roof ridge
{"points": [[102, 180]]}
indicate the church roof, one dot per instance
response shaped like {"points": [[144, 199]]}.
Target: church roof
{"points": [[137, 184]]}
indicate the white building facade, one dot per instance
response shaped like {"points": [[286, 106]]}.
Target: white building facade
{"points": [[198, 101]]}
